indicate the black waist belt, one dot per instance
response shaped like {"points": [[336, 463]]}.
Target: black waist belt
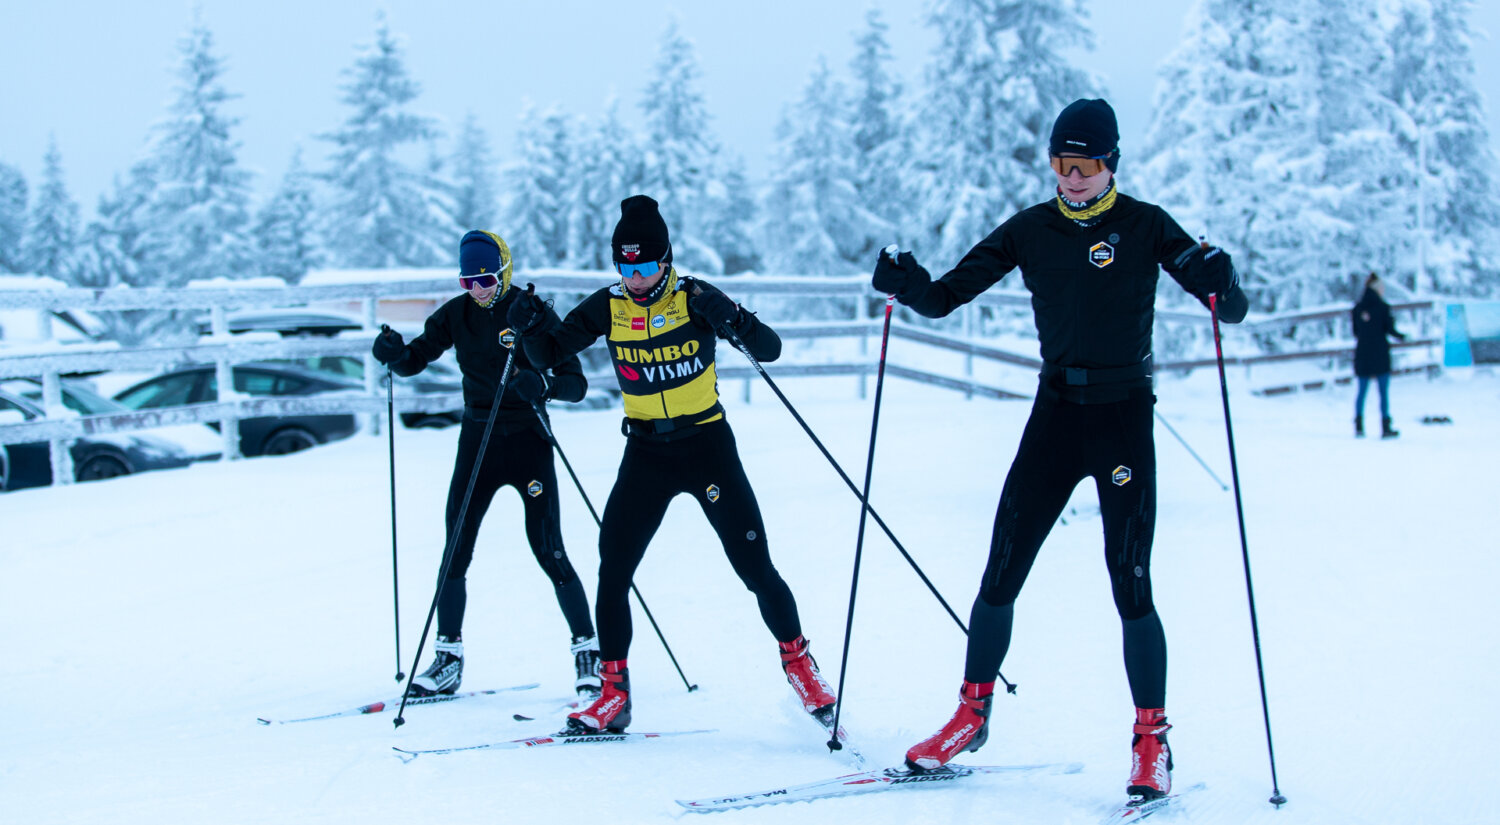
{"points": [[1080, 376], [667, 429]]}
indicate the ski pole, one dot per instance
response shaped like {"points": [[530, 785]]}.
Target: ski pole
{"points": [[1276, 798], [1186, 446], [547, 428], [463, 510], [859, 541], [390, 426], [739, 344]]}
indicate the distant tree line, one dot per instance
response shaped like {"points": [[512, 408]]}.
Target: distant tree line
{"points": [[1311, 139]]}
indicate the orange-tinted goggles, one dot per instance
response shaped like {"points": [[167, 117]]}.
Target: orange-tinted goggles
{"points": [[1088, 167]]}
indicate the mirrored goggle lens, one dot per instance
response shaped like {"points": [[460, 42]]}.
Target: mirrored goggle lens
{"points": [[481, 281], [1088, 167], [641, 270]]}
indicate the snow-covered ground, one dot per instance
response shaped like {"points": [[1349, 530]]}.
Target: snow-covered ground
{"points": [[148, 621]]}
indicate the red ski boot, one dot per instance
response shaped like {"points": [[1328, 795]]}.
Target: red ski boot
{"points": [[966, 731], [1151, 759], [802, 673], [611, 711]]}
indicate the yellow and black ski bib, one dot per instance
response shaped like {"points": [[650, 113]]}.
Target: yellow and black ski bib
{"points": [[663, 361]]}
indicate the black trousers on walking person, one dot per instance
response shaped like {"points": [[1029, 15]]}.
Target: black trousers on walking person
{"points": [[706, 465], [521, 457], [1063, 444]]}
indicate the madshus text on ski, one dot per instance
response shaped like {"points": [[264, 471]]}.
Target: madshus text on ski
{"points": [[1091, 256]]}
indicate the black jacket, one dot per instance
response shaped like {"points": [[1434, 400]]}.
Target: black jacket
{"points": [[474, 333], [1372, 323], [1093, 290]]}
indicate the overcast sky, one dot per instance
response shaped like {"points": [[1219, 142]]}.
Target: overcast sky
{"points": [[98, 74]]}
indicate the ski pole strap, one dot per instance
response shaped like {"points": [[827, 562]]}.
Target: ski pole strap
{"points": [[1081, 376]]}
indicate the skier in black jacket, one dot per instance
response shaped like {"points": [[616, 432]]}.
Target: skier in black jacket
{"points": [[1372, 353], [518, 452], [661, 329], [1090, 258]]}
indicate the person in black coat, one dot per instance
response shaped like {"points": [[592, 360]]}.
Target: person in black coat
{"points": [[1372, 353], [518, 452], [1091, 258]]}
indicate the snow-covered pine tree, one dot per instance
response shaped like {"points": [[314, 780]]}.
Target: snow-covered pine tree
{"points": [[606, 169], [881, 132], [52, 231], [198, 214], [1233, 152], [729, 217], [286, 245], [536, 189], [816, 220], [471, 174], [385, 210], [995, 83], [114, 255], [13, 196], [1454, 206], [681, 154]]}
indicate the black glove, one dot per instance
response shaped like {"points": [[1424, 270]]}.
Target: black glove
{"points": [[1209, 271], [715, 307], [527, 312], [1400, 336], [898, 275], [388, 347], [528, 386]]}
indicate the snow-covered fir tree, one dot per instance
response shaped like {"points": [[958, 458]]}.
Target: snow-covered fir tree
{"points": [[881, 140], [199, 210], [537, 189], [995, 83], [471, 175], [730, 216], [1453, 196], [606, 169], [1233, 150], [680, 154], [52, 230], [285, 239], [115, 254], [12, 218], [816, 221], [384, 209]]}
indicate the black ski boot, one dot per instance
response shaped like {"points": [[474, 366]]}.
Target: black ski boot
{"points": [[1386, 431], [446, 671], [586, 666]]}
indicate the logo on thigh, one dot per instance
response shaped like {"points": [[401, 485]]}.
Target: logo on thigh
{"points": [[713, 493], [1121, 476], [534, 489]]}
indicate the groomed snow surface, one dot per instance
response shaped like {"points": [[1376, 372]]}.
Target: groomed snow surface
{"points": [[149, 620]]}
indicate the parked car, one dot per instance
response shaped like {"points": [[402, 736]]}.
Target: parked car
{"points": [[196, 441], [95, 457], [289, 323], [439, 377], [266, 435]]}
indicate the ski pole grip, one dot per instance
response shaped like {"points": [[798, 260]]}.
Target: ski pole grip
{"points": [[891, 251]]}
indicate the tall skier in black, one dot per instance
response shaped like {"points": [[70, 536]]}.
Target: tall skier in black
{"points": [[661, 329], [518, 453], [1090, 258]]}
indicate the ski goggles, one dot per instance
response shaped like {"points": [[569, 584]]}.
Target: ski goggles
{"points": [[641, 270], [1088, 167], [482, 281]]}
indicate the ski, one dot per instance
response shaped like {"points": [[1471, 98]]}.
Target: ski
{"points": [[824, 718], [544, 741], [377, 707], [1137, 809], [884, 779]]}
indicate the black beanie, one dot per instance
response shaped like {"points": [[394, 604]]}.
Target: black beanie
{"points": [[1087, 127], [641, 234]]}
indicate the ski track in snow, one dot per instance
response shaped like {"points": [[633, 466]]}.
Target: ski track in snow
{"points": [[149, 621]]}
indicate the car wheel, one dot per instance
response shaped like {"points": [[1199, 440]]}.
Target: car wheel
{"points": [[101, 467], [291, 440]]}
